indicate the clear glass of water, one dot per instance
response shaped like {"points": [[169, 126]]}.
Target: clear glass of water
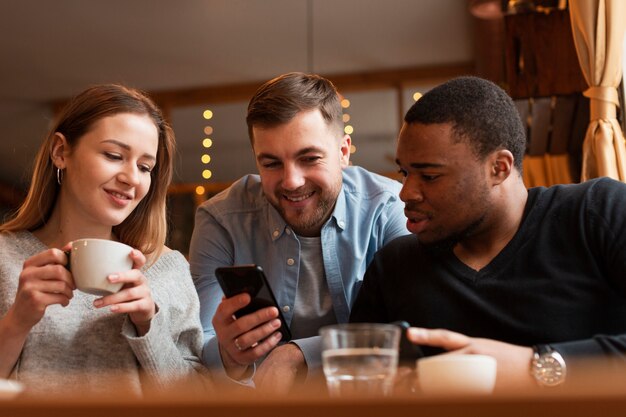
{"points": [[360, 359]]}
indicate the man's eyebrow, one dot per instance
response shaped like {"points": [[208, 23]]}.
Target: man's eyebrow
{"points": [[421, 165], [304, 151], [309, 149], [265, 155]]}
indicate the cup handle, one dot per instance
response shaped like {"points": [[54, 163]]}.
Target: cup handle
{"points": [[67, 253]]}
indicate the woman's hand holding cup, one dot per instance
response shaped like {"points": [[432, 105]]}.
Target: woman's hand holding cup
{"points": [[135, 297], [44, 281], [112, 270]]}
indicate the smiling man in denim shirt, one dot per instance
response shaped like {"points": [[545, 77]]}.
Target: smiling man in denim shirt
{"points": [[309, 219]]}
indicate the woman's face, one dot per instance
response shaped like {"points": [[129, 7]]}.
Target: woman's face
{"points": [[107, 171]]}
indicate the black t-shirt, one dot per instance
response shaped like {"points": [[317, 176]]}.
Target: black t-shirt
{"points": [[561, 279]]}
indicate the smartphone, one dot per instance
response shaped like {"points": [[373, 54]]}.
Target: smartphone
{"points": [[409, 351], [251, 279]]}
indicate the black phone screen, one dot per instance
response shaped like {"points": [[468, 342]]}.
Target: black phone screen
{"points": [[251, 279]]}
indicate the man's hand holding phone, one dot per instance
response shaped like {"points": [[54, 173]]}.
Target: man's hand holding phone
{"points": [[242, 341], [248, 323]]}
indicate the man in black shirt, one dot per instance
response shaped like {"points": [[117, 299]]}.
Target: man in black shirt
{"points": [[535, 278]]}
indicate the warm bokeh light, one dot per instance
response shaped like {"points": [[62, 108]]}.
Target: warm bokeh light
{"points": [[207, 143], [205, 159], [348, 129], [417, 95], [206, 174], [208, 114], [200, 190], [346, 117], [208, 130], [352, 149], [345, 103]]}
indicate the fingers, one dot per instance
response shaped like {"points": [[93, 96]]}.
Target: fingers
{"points": [[135, 299], [139, 259], [227, 308], [250, 339], [47, 257], [135, 288], [46, 272], [51, 279], [445, 339], [244, 340], [244, 354], [43, 281], [254, 320], [50, 257], [228, 327]]}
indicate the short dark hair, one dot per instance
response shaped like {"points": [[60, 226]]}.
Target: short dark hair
{"points": [[280, 99], [479, 111]]}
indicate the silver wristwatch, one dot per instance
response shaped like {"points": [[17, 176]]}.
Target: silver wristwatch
{"points": [[547, 366]]}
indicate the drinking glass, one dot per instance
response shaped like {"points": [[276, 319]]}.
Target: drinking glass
{"points": [[360, 359]]}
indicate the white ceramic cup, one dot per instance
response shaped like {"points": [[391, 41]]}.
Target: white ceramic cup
{"points": [[9, 389], [457, 374], [93, 260]]}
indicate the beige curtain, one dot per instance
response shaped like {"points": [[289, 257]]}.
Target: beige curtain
{"points": [[598, 28], [546, 170]]}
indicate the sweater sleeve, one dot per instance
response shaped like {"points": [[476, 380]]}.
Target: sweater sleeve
{"points": [[210, 247], [170, 352], [606, 231]]}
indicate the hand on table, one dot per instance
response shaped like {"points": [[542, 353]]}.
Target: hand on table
{"points": [[513, 360], [242, 341], [135, 297]]}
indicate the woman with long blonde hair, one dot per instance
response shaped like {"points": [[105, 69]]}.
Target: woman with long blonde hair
{"points": [[102, 172]]}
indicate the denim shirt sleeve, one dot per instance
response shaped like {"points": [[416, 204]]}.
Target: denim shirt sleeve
{"points": [[210, 248], [311, 348]]}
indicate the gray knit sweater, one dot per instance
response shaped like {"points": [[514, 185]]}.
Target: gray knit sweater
{"points": [[80, 348]]}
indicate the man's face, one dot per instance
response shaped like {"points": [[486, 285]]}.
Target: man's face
{"points": [[300, 164], [445, 187]]}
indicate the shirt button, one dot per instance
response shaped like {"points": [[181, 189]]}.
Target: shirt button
{"points": [[290, 261], [286, 309], [288, 231], [342, 223], [276, 233]]}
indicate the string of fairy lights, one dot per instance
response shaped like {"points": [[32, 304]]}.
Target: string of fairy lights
{"points": [[207, 142], [347, 128]]}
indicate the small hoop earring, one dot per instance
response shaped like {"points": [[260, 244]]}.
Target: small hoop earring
{"points": [[59, 175]]}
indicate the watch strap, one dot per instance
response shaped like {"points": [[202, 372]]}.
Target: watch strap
{"points": [[542, 349]]}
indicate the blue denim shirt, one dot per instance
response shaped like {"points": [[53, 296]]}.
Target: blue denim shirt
{"points": [[239, 226]]}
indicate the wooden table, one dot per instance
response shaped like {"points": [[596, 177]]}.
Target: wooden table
{"points": [[598, 395]]}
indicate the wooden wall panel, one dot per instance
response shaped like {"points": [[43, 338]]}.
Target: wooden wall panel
{"points": [[540, 54]]}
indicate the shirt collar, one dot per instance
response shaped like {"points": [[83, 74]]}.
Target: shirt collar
{"points": [[340, 212]]}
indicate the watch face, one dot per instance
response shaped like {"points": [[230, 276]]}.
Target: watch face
{"points": [[549, 369]]}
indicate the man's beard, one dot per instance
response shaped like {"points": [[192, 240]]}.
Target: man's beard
{"points": [[311, 224], [302, 225]]}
